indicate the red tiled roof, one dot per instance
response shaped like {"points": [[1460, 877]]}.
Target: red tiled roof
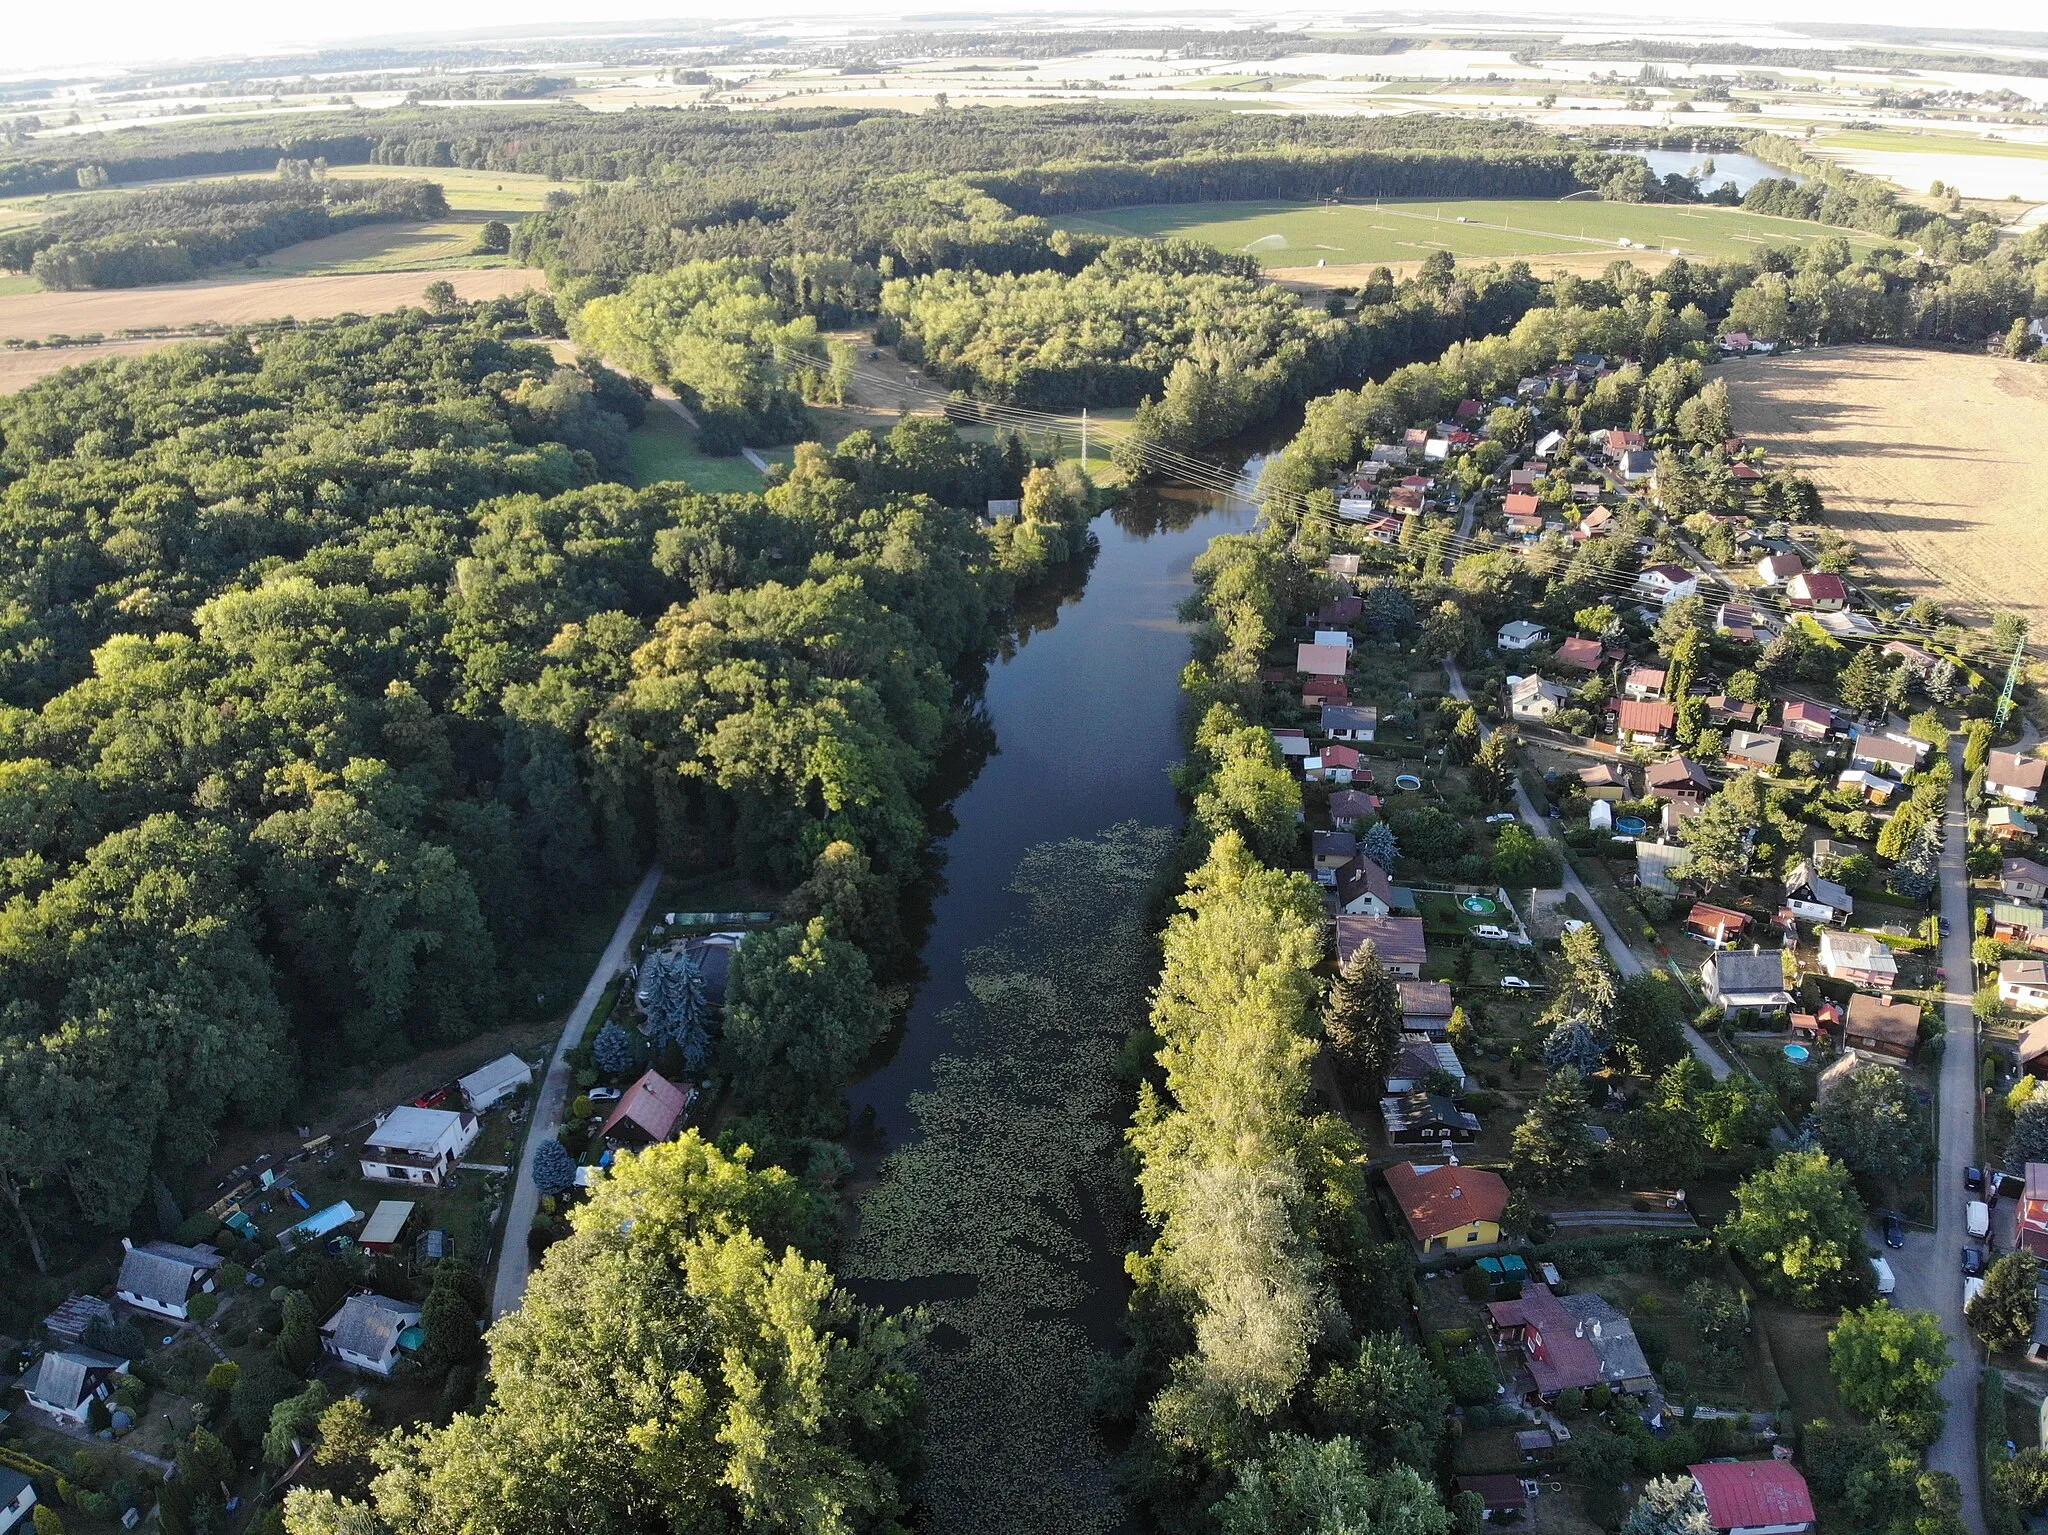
{"points": [[1580, 652], [1522, 506], [1426, 999], [653, 1104], [1646, 717], [1753, 1492], [1819, 586], [1445, 1198], [1567, 1358], [1398, 939]]}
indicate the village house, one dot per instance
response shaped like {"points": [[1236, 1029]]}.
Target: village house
{"points": [[1335, 763], [1817, 591], [1755, 1497], [1580, 654], [65, 1382], [1339, 639], [1291, 739], [2023, 879], [2014, 777], [415, 1145], [1777, 569], [1346, 566], [2023, 983], [1746, 981], [1339, 612], [1316, 692], [17, 1498], [1351, 807], [1644, 723], [1636, 466], [1448, 1207], [1812, 722], [1644, 682], [1753, 749], [386, 1225], [1570, 1342], [1885, 754], [370, 1331], [1603, 780], [1871, 788], [2017, 922], [1622, 440], [1421, 1058], [1350, 722], [163, 1277], [1858, 958], [1426, 1119], [1426, 1008], [1322, 660], [1723, 710], [1399, 940], [1502, 1498], [1678, 779], [1890, 1030], [1521, 634], [1716, 924], [1817, 900], [649, 1111], [1332, 849], [1363, 889], [1598, 522], [2006, 824], [1741, 622], [2033, 1212], [1534, 699], [492, 1083], [1665, 584]]}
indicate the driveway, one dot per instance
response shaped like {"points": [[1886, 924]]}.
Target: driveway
{"points": [[1930, 1268], [1625, 958], [513, 1262]]}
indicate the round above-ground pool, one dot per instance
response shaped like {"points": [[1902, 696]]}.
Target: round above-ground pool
{"points": [[1479, 905], [1407, 781], [1631, 826], [1796, 1054]]}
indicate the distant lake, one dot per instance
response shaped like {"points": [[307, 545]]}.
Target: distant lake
{"points": [[1744, 170]]}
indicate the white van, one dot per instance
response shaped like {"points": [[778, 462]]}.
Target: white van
{"points": [[1881, 1271], [1977, 1219]]}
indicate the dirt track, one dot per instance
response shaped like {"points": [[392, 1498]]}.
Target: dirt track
{"points": [[1929, 460], [241, 300]]}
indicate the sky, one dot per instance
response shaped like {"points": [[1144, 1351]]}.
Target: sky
{"points": [[47, 36]]}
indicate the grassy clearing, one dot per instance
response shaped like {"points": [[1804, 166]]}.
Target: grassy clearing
{"points": [[1930, 142], [1289, 234], [1799, 1349], [662, 448]]}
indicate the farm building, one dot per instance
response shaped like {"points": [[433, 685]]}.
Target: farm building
{"points": [[492, 1083]]}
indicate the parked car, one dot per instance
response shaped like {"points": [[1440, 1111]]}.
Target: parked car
{"points": [[1486, 932], [603, 1095], [1973, 1179], [434, 1099], [1516, 983], [1977, 1219], [1502, 818], [1881, 1271], [1973, 1262], [1894, 1232]]}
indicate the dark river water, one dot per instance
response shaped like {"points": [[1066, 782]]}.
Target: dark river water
{"points": [[1086, 719]]}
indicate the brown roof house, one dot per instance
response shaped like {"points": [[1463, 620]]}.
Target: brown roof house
{"points": [[1580, 653], [1426, 1119], [1646, 724], [1678, 778], [1322, 660], [1571, 1341], [2023, 879], [1426, 1007], [1887, 1029], [2014, 777], [1399, 940], [650, 1109], [1448, 1207]]}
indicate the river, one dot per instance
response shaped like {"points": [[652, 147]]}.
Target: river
{"points": [[999, 1205]]}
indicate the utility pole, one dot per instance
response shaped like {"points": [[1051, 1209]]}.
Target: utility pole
{"points": [[2012, 676]]}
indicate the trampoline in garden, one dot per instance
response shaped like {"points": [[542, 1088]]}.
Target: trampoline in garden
{"points": [[1479, 905], [1631, 826], [1796, 1054], [1407, 781]]}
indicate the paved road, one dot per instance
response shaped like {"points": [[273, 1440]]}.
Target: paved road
{"points": [[1625, 958], [1930, 1272], [513, 1266]]}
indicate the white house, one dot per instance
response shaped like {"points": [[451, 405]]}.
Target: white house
{"points": [[495, 1081], [1777, 569], [2012, 776], [1534, 699], [1339, 638], [415, 1145], [1746, 980], [1817, 900], [17, 1498], [2023, 983], [65, 1382], [1548, 443], [1666, 583], [163, 1277], [1521, 635], [368, 1332]]}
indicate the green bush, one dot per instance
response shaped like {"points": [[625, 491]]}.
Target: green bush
{"points": [[1471, 1379], [203, 1306]]}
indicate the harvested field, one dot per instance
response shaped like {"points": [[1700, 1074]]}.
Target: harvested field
{"points": [[1320, 279], [242, 300], [1929, 460], [20, 367]]}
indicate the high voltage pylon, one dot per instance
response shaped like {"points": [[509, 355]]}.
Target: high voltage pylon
{"points": [[2012, 675]]}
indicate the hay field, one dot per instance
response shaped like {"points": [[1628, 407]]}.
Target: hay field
{"points": [[241, 300], [1288, 234], [1931, 461]]}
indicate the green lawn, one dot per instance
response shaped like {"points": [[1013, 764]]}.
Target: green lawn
{"points": [[1929, 143], [662, 448], [1298, 234]]}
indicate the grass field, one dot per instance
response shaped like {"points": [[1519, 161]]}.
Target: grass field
{"points": [[1932, 142], [1284, 234], [1929, 460], [662, 448]]}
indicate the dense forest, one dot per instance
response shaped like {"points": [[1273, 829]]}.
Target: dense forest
{"points": [[330, 663], [166, 234]]}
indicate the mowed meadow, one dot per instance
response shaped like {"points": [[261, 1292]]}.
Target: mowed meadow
{"points": [[1928, 460], [1288, 234]]}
